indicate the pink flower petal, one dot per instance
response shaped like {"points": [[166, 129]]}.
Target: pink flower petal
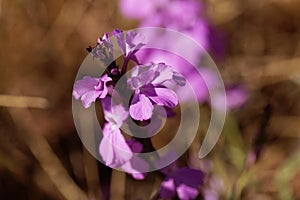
{"points": [[185, 192], [141, 107], [167, 189], [165, 97], [113, 148]]}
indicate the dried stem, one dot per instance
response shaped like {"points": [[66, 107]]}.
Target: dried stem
{"points": [[117, 185], [92, 176], [23, 101], [42, 151]]}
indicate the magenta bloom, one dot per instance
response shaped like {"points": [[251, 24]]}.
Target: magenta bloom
{"points": [[106, 42], [148, 83], [89, 89], [129, 43], [113, 148], [184, 182], [103, 50], [136, 164]]}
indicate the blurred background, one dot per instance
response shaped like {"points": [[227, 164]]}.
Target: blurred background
{"points": [[256, 45]]}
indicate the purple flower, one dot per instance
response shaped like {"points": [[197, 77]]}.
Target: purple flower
{"points": [[89, 89], [134, 167], [184, 182], [148, 82], [106, 41], [104, 49], [129, 43], [136, 164], [113, 148]]}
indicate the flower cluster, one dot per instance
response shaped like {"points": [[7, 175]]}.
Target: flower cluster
{"points": [[147, 84], [187, 17]]}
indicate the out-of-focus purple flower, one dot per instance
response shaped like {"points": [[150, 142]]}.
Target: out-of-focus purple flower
{"points": [[148, 83], [235, 97], [184, 182], [214, 185], [181, 181], [113, 148], [183, 16], [129, 8], [89, 89], [215, 188], [210, 194], [167, 11]]}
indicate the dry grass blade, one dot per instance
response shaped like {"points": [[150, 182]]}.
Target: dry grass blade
{"points": [[273, 72], [1, 2], [23, 101], [46, 157], [286, 126], [92, 176], [117, 189], [63, 19]]}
